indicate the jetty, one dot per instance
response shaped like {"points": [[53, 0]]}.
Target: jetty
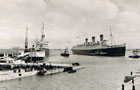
{"points": [[23, 63], [30, 69], [131, 82]]}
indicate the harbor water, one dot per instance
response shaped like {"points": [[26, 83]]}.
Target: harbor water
{"points": [[100, 73]]}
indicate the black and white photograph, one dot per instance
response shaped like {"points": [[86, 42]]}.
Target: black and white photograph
{"points": [[69, 44]]}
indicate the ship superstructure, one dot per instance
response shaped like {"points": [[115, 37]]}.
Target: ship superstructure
{"points": [[42, 45]]}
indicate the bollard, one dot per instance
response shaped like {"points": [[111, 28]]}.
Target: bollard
{"points": [[31, 68], [25, 69], [132, 81], [19, 70], [20, 74], [122, 86], [131, 73], [14, 70], [133, 87]]}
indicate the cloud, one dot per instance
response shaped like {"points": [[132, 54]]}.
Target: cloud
{"points": [[78, 9], [82, 16], [127, 28], [67, 19], [14, 17]]}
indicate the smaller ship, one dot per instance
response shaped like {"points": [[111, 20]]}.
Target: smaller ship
{"points": [[42, 45], [37, 52], [65, 53], [135, 54]]}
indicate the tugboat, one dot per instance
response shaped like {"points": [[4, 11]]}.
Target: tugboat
{"points": [[135, 54], [65, 53], [100, 48]]}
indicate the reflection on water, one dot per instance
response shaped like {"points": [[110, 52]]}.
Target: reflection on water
{"points": [[100, 73]]}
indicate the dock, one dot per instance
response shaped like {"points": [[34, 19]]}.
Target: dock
{"points": [[32, 69], [133, 82]]}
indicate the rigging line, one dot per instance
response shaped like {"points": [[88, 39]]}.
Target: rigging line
{"points": [[26, 38], [112, 37], [42, 29], [42, 32]]}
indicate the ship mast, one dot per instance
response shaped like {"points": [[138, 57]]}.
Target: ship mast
{"points": [[111, 37], [26, 39], [42, 32]]}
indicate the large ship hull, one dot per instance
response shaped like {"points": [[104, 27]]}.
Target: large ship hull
{"points": [[112, 51]]}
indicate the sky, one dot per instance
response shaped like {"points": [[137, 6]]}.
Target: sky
{"points": [[69, 22]]}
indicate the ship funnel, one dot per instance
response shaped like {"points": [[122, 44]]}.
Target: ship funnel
{"points": [[101, 37], [86, 40], [93, 39]]}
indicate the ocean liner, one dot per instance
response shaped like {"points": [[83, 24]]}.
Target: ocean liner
{"points": [[100, 48]]}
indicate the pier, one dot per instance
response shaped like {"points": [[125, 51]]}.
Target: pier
{"points": [[31, 69], [131, 82]]}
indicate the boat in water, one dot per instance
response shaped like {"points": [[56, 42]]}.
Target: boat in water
{"points": [[42, 45], [65, 53], [135, 54], [100, 48], [38, 51]]}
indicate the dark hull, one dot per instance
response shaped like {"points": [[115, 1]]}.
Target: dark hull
{"points": [[136, 56], [63, 54], [114, 51], [34, 59]]}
